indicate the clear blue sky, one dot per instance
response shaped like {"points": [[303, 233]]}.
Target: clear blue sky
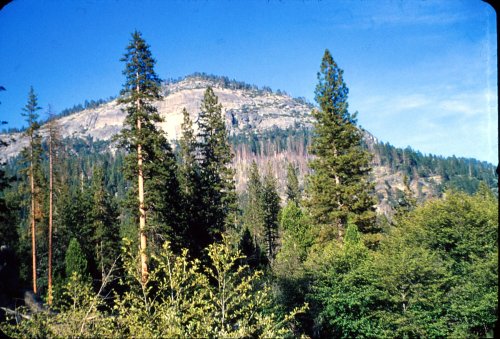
{"points": [[420, 73]]}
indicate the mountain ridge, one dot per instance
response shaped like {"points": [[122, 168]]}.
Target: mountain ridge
{"points": [[250, 112]]}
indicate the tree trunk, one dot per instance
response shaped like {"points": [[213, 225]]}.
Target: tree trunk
{"points": [[142, 215], [33, 226], [51, 178], [142, 212]]}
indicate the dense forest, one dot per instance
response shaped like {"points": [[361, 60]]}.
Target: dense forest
{"points": [[141, 237]]}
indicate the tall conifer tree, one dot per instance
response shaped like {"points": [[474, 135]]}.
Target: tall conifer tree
{"points": [[150, 163], [31, 155], [253, 215], [338, 186], [188, 165], [190, 180], [270, 210], [218, 187]]}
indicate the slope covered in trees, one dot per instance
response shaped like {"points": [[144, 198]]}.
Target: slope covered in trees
{"points": [[250, 235]]}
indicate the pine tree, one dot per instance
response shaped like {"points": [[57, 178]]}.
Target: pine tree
{"points": [[253, 214], [217, 177], [150, 163], [188, 165], [32, 156], [75, 260], [104, 216], [292, 184], [189, 180], [338, 187], [270, 211]]}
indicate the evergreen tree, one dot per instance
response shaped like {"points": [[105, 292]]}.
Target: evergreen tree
{"points": [[104, 216], [31, 155], [253, 237], [189, 168], [292, 184], [150, 164], [254, 256], [270, 211], [75, 260], [8, 233], [217, 177], [338, 187], [189, 180], [253, 214]]}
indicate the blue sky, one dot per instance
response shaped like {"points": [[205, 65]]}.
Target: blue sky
{"points": [[420, 73]]}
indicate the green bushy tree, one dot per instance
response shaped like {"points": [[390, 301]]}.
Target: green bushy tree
{"points": [[434, 275]]}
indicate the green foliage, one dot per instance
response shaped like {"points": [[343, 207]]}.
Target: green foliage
{"points": [[8, 229], [462, 231], [170, 304], [79, 312], [338, 186], [180, 299], [342, 296], [31, 155], [251, 250], [75, 260], [291, 280], [260, 214], [413, 282], [434, 275], [297, 238], [253, 238], [105, 226]]}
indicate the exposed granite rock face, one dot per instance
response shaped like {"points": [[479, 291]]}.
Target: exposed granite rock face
{"points": [[244, 109]]}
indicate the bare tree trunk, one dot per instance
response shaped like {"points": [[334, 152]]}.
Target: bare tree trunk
{"points": [[142, 211], [33, 226], [142, 214], [51, 178]]}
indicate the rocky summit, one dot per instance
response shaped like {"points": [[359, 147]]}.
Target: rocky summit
{"points": [[246, 108]]}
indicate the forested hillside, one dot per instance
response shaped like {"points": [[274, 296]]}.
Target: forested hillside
{"points": [[246, 224]]}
